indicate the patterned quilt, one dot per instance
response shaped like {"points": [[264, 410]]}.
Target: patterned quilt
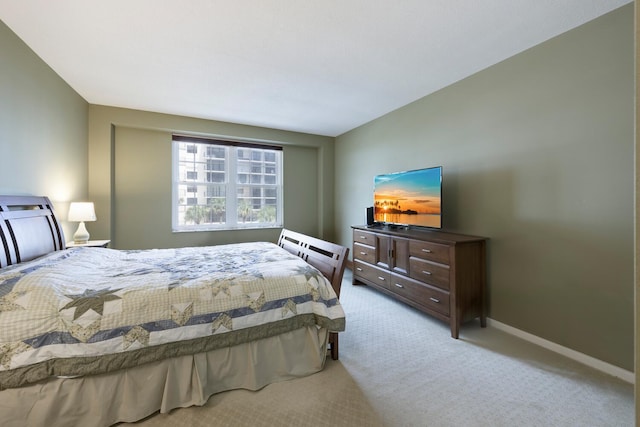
{"points": [[92, 310]]}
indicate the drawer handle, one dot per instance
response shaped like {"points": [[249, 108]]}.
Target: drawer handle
{"points": [[434, 299], [398, 285], [428, 273], [363, 237], [427, 251], [358, 268], [381, 278], [363, 253]]}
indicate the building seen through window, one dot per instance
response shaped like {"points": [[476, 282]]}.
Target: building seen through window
{"points": [[225, 185]]}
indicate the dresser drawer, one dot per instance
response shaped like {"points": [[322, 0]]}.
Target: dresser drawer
{"points": [[372, 274], [428, 296], [429, 272], [364, 237], [429, 251], [364, 253]]}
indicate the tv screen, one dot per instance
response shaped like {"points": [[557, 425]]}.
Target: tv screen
{"points": [[409, 198]]}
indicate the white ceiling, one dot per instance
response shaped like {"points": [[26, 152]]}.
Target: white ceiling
{"points": [[321, 67]]}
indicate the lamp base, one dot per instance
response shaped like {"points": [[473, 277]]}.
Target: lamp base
{"points": [[81, 235]]}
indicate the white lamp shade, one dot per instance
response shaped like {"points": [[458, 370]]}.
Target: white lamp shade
{"points": [[81, 211]]}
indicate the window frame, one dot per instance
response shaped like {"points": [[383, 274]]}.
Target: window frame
{"points": [[231, 184]]}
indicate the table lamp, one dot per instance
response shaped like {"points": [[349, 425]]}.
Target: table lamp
{"points": [[81, 211]]}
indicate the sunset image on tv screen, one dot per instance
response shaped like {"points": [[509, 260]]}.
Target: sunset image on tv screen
{"points": [[412, 197]]}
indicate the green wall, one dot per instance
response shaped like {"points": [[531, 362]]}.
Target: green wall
{"points": [[130, 178], [43, 129], [637, 209], [538, 156]]}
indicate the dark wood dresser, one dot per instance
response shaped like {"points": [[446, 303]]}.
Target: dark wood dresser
{"points": [[442, 274]]}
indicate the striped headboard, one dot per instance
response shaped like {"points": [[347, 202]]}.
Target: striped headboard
{"points": [[28, 229]]}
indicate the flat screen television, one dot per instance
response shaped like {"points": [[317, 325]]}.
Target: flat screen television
{"points": [[409, 198]]}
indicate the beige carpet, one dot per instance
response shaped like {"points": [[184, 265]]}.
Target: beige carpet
{"points": [[328, 398], [414, 374]]}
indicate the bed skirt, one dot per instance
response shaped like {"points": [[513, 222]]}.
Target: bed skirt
{"points": [[132, 394]]}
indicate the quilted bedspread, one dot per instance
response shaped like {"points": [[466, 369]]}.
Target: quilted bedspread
{"points": [[92, 310]]}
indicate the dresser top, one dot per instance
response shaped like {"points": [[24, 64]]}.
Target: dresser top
{"points": [[421, 234]]}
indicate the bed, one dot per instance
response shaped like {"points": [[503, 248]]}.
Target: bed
{"points": [[96, 336]]}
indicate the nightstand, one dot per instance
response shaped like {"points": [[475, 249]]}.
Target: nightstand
{"points": [[90, 243]]}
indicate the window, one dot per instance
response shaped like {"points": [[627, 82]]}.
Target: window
{"points": [[223, 185]]}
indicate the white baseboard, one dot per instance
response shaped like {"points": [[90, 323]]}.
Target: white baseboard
{"points": [[571, 354]]}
